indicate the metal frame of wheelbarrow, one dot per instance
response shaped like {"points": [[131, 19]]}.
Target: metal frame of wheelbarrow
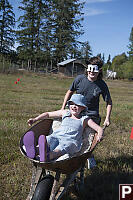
{"points": [[70, 167]]}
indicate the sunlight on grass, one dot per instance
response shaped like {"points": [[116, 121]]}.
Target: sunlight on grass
{"points": [[35, 94]]}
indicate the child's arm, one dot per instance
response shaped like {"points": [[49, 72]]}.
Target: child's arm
{"points": [[45, 115], [96, 127]]}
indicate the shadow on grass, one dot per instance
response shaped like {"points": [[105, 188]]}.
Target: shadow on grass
{"points": [[102, 183]]}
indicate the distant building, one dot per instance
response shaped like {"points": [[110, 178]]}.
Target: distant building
{"points": [[71, 67]]}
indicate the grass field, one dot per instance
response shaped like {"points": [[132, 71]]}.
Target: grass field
{"points": [[35, 94]]}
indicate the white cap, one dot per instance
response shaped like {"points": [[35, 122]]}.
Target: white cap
{"points": [[93, 68]]}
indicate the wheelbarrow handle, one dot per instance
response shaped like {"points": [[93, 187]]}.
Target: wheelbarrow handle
{"points": [[104, 127]]}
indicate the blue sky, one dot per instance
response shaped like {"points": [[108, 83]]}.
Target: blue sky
{"points": [[107, 25]]}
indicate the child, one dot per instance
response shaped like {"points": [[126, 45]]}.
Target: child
{"points": [[68, 138]]}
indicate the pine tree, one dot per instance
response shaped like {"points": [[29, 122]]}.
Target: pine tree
{"points": [[48, 29], [46, 33], [30, 27], [86, 51], [7, 24], [66, 27], [109, 62], [130, 46], [103, 58], [99, 55], [109, 59]]}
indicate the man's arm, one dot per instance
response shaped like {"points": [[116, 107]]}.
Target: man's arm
{"points": [[108, 113], [66, 98]]}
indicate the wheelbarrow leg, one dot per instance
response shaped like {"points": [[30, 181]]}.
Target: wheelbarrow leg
{"points": [[55, 186], [81, 185], [63, 188], [82, 176], [36, 176]]}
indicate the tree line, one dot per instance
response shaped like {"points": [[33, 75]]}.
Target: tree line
{"points": [[123, 63], [47, 32]]}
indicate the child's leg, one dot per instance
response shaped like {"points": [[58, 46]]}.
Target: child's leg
{"points": [[42, 148], [55, 154], [48, 148], [55, 150], [28, 141]]}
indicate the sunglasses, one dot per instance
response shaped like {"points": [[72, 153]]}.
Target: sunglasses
{"points": [[93, 68]]}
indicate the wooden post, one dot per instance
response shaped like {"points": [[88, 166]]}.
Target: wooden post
{"points": [[28, 64], [73, 68], [47, 68], [22, 64], [3, 63], [51, 65]]}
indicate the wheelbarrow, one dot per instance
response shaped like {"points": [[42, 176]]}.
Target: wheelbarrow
{"points": [[45, 182]]}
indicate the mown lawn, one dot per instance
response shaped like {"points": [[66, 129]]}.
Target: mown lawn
{"points": [[35, 94]]}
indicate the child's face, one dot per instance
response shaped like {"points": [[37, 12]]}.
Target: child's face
{"points": [[75, 109]]}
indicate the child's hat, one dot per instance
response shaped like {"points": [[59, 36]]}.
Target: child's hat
{"points": [[78, 99]]}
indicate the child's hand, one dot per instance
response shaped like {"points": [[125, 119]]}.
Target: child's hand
{"points": [[31, 121]]}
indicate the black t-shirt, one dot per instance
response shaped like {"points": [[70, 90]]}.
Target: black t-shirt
{"points": [[92, 92]]}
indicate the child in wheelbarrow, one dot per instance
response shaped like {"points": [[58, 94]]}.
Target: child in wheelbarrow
{"points": [[66, 140]]}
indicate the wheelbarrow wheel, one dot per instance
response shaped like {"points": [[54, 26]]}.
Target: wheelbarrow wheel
{"points": [[43, 189]]}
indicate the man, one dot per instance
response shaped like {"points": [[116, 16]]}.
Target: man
{"points": [[92, 86]]}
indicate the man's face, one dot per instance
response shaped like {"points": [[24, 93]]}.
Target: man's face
{"points": [[93, 75]]}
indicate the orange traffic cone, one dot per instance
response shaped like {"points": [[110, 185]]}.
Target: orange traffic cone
{"points": [[131, 136]]}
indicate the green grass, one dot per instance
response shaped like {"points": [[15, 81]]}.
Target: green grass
{"points": [[35, 94]]}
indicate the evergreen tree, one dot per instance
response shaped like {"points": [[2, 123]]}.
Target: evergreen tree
{"points": [[49, 29], [66, 27], [118, 64], [7, 24], [99, 55], [109, 62], [103, 58], [109, 59], [130, 46], [107, 65], [46, 33], [30, 30], [86, 51]]}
